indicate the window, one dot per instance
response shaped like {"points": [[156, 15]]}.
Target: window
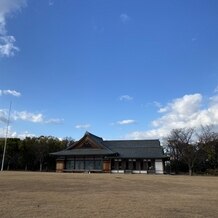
{"points": [[98, 164], [84, 163], [79, 164], [144, 165], [89, 164], [116, 164], [70, 164]]}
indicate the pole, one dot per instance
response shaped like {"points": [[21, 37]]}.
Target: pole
{"points": [[6, 137]]}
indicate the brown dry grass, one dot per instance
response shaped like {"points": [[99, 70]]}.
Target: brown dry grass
{"points": [[106, 195]]}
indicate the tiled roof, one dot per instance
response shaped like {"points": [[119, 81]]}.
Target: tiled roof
{"points": [[121, 148], [83, 152], [136, 148], [132, 143]]}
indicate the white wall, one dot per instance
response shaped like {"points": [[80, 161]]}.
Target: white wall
{"points": [[158, 166]]}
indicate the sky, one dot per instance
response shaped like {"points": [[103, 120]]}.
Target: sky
{"points": [[120, 69]]}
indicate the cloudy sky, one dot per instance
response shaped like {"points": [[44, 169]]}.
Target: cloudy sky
{"points": [[117, 68]]}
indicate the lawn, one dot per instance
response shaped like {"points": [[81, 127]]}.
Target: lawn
{"points": [[28, 194]]}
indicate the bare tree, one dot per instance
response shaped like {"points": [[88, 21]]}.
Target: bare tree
{"points": [[208, 143], [182, 147]]}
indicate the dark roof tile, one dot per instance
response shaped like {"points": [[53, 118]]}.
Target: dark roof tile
{"points": [[124, 148]]}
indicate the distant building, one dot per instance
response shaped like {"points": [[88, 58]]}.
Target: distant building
{"points": [[93, 154]]}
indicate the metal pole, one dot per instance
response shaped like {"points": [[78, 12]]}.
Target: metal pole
{"points": [[6, 137]]}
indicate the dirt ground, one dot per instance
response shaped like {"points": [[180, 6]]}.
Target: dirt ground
{"points": [[25, 194]]}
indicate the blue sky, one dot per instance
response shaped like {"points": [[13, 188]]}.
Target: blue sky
{"points": [[117, 68]]}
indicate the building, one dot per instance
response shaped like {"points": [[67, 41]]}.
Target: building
{"points": [[93, 154]]}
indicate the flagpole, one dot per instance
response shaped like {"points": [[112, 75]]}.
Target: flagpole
{"points": [[6, 137]]}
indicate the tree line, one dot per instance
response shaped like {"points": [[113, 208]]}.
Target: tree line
{"points": [[189, 150], [32, 153], [192, 150]]}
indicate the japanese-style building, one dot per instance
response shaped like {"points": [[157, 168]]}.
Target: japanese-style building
{"points": [[93, 154]]}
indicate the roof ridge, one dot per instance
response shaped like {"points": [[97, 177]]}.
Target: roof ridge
{"points": [[121, 140], [92, 135]]}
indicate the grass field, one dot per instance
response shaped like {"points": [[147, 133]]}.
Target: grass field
{"points": [[25, 194]]}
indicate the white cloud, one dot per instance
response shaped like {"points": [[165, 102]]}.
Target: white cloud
{"points": [[125, 98], [3, 116], [157, 104], [10, 92], [213, 100], [24, 134], [34, 117], [26, 116], [10, 134], [82, 126], [163, 110], [124, 18], [8, 7], [187, 111], [14, 134], [216, 90], [151, 134], [186, 105], [23, 116], [7, 47], [54, 121], [126, 122]]}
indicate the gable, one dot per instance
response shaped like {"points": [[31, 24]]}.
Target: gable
{"points": [[85, 143], [88, 141]]}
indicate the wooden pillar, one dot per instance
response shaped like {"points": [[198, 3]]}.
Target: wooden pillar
{"points": [[106, 166]]}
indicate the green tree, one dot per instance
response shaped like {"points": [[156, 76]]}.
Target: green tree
{"points": [[12, 153], [33, 153], [27, 154]]}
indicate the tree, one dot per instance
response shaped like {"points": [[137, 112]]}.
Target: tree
{"points": [[27, 154], [182, 148], [11, 154], [208, 143], [44, 145], [53, 145], [33, 153], [41, 150]]}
